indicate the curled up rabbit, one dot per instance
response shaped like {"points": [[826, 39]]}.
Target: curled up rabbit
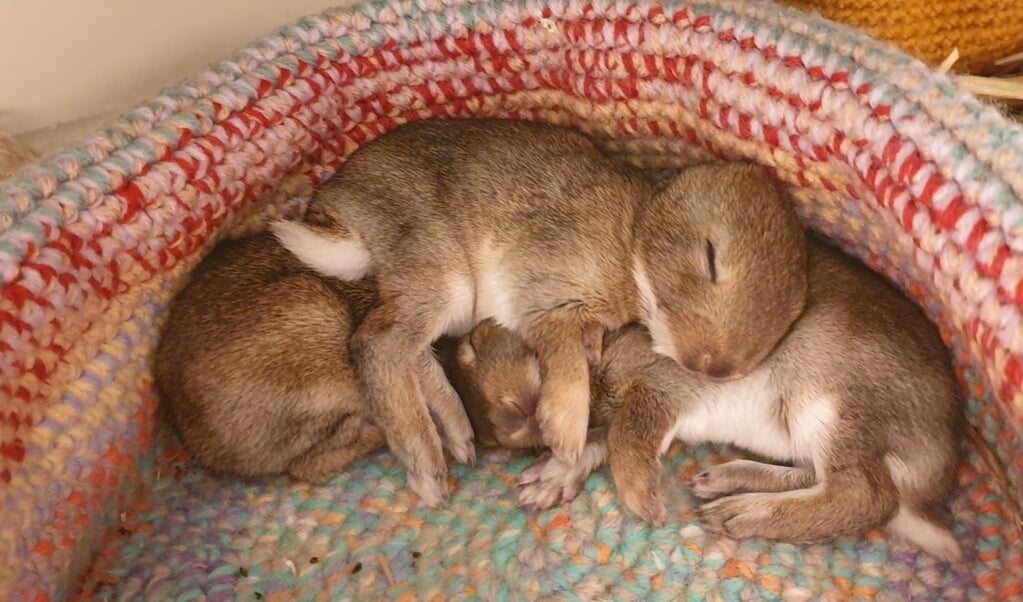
{"points": [[857, 404], [253, 365], [254, 371], [531, 225]]}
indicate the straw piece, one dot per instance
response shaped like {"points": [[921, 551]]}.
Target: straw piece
{"points": [[1012, 58], [949, 61], [1005, 88]]}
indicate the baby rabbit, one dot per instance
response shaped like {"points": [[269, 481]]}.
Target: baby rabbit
{"points": [[253, 365], [859, 396], [500, 384], [531, 225], [500, 387]]}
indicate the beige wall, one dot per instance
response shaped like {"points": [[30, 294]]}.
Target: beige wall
{"points": [[65, 61]]}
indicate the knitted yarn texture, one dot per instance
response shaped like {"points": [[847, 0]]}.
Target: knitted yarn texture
{"points": [[983, 30], [897, 164]]}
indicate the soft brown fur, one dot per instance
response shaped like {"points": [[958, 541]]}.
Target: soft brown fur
{"points": [[739, 215], [254, 371], [500, 386], [253, 365], [887, 458], [530, 224]]}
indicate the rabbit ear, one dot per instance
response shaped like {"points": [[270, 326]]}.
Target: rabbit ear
{"points": [[466, 352]]}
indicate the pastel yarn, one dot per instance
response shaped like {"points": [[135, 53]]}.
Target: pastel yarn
{"points": [[903, 168]]}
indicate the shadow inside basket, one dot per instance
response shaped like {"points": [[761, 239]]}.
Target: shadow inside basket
{"points": [[363, 536]]}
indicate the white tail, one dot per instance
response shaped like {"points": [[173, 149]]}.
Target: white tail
{"points": [[935, 539], [344, 258]]}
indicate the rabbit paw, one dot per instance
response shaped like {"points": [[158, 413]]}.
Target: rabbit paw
{"points": [[563, 421], [643, 497], [432, 487], [738, 516], [462, 448], [711, 483], [550, 481]]}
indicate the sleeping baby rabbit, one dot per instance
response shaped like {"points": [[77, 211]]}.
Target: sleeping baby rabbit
{"points": [[253, 365], [859, 398], [532, 225], [254, 371]]}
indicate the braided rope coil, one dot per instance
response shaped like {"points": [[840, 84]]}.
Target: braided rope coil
{"points": [[895, 162]]}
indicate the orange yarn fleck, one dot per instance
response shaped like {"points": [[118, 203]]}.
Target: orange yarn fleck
{"points": [[983, 30]]}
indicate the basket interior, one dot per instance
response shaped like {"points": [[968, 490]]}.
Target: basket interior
{"points": [[891, 161]]}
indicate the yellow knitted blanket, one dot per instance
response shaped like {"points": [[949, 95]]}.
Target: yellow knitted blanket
{"points": [[983, 30]]}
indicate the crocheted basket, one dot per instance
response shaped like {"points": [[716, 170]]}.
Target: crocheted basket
{"points": [[900, 166]]}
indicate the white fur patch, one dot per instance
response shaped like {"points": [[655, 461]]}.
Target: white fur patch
{"points": [[809, 424], [932, 538], [737, 412], [460, 316], [493, 289], [743, 413], [347, 259], [660, 332], [490, 296], [902, 475]]}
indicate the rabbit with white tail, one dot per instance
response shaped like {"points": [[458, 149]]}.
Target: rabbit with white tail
{"points": [[533, 226]]}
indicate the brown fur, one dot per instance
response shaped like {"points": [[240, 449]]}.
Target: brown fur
{"points": [[860, 344], [253, 365], [254, 370], [507, 373], [884, 362], [733, 213], [500, 387], [532, 225]]}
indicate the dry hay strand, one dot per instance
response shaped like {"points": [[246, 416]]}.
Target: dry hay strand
{"points": [[1003, 87], [1006, 89]]}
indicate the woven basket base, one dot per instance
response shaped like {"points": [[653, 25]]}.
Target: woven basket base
{"points": [[363, 537]]}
